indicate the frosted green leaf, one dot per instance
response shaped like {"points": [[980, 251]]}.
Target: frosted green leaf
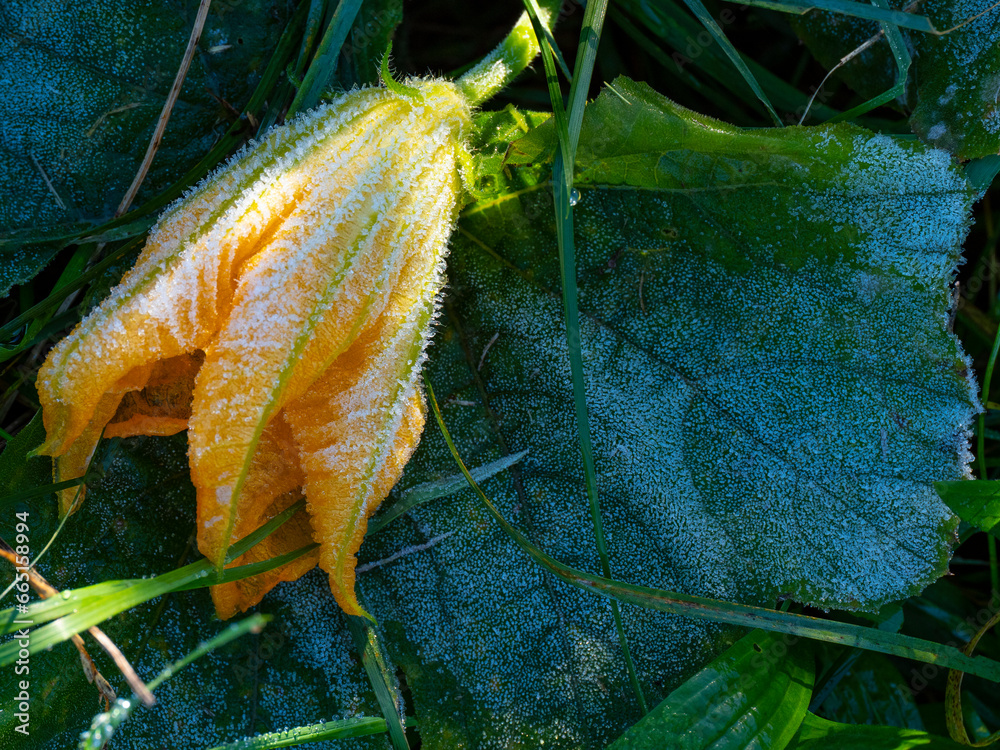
{"points": [[773, 388], [84, 83], [959, 79], [955, 84]]}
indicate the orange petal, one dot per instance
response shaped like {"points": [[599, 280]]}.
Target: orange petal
{"points": [[73, 463], [358, 426], [270, 488], [349, 473], [176, 297], [381, 205], [163, 406]]}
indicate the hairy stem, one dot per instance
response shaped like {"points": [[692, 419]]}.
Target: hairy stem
{"points": [[495, 71]]}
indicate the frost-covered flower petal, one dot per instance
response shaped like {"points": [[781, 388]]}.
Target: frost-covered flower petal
{"points": [[305, 274]]}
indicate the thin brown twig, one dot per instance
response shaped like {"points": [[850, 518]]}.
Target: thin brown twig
{"points": [[482, 359], [168, 106], [48, 182], [45, 590], [968, 20]]}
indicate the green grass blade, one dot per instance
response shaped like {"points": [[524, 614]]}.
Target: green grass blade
{"points": [[699, 9], [51, 302], [58, 618], [324, 64], [251, 569], [542, 31], [883, 14], [254, 623], [658, 52], [562, 188], [359, 726], [675, 28], [568, 129], [583, 71], [40, 491], [366, 642], [105, 724], [903, 61], [424, 493], [883, 98], [111, 231], [311, 34], [744, 615]]}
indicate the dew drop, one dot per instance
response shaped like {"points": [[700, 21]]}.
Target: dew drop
{"points": [[574, 197]]}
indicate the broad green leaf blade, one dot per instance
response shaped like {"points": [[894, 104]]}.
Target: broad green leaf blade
{"points": [[976, 502], [820, 734], [753, 696], [764, 384], [764, 423], [700, 608], [873, 692]]}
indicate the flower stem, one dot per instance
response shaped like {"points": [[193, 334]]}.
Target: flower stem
{"points": [[495, 71]]}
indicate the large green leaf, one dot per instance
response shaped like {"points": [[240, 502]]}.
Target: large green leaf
{"points": [[773, 389], [955, 75], [754, 696], [772, 384]]}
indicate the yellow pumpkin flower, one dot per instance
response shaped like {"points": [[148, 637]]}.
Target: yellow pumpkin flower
{"points": [[280, 314]]}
